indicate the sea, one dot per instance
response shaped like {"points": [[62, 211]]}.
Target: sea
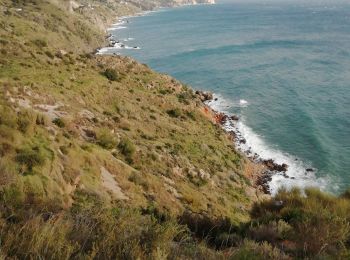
{"points": [[282, 67]]}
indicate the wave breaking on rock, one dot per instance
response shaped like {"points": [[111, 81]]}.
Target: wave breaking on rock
{"points": [[282, 169]]}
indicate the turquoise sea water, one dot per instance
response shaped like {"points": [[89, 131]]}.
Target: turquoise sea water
{"points": [[290, 62]]}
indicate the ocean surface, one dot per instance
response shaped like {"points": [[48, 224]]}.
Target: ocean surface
{"points": [[283, 68]]}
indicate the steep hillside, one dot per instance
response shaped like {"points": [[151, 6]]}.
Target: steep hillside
{"points": [[79, 111], [102, 157]]}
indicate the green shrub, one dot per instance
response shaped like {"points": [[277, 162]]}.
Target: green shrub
{"points": [[9, 134], [49, 54], [126, 147], [106, 139], [30, 157], [7, 117], [25, 121], [316, 223], [185, 97], [12, 195], [41, 43], [38, 239], [191, 115], [258, 251], [59, 122], [111, 74], [165, 91], [138, 180], [88, 55], [7, 172], [218, 232], [174, 112]]}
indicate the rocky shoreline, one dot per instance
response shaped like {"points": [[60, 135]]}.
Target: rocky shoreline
{"points": [[115, 44], [228, 122]]}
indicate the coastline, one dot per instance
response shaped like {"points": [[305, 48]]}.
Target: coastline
{"points": [[280, 170], [120, 44], [268, 167], [264, 168]]}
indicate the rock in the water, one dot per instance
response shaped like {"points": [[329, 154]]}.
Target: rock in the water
{"points": [[234, 118], [272, 166], [243, 141]]}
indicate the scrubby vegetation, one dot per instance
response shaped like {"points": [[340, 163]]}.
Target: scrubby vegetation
{"points": [[111, 74], [128, 164], [106, 139], [310, 224], [59, 122], [319, 229]]}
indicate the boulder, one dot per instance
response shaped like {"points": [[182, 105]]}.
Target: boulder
{"points": [[243, 141], [234, 118], [272, 166], [204, 95], [220, 118], [263, 182]]}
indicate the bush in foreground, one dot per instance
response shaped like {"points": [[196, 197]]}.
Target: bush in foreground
{"points": [[319, 222], [310, 226]]}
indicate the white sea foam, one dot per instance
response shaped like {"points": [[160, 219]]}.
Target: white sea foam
{"points": [[243, 102], [105, 50], [120, 22], [219, 104], [119, 45], [114, 28], [222, 105], [132, 48], [256, 148], [297, 174], [128, 39], [115, 49]]}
